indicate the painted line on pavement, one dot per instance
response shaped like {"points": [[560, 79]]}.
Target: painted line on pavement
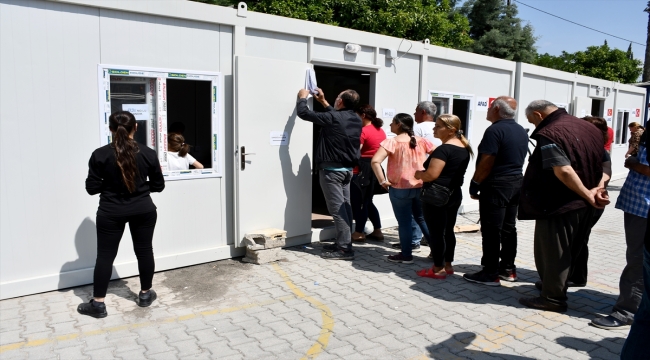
{"points": [[39, 342], [326, 314]]}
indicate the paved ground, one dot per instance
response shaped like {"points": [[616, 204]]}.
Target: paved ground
{"points": [[306, 307]]}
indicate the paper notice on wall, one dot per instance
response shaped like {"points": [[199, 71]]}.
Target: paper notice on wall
{"points": [[482, 103], [388, 113], [278, 138], [583, 113], [140, 111], [609, 121]]}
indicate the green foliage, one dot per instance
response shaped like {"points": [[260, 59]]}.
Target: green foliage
{"points": [[411, 19], [597, 61], [498, 32]]}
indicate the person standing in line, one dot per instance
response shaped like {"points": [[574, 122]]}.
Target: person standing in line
{"points": [[560, 192], [610, 140], [634, 200], [123, 173], [636, 130], [363, 180], [578, 274], [446, 168], [498, 179], [636, 345], [425, 120], [406, 153], [337, 153]]}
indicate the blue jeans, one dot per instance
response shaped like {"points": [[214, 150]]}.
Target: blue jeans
{"points": [[408, 212], [636, 346]]}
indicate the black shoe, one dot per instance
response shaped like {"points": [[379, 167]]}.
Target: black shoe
{"points": [[398, 246], [609, 323], [424, 242], [542, 304], [538, 285], [484, 278], [338, 255], [330, 247], [145, 299], [93, 308], [572, 284], [508, 275]]}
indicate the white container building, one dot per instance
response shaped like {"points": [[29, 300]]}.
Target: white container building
{"points": [[229, 77]]}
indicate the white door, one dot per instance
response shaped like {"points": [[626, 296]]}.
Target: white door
{"points": [[274, 180], [582, 106]]}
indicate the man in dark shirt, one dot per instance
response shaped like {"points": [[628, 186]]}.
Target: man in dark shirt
{"points": [[562, 187], [338, 150], [498, 179]]}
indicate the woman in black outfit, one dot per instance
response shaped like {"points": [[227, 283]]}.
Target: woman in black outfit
{"points": [[445, 166], [119, 172]]}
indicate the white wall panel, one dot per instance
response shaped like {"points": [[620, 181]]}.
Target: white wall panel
{"points": [[48, 109], [158, 42], [276, 45], [334, 50]]}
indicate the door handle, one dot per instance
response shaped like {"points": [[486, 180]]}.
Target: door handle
{"points": [[242, 155]]}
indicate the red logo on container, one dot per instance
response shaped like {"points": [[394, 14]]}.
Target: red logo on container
{"points": [[610, 112], [490, 102], [638, 113]]}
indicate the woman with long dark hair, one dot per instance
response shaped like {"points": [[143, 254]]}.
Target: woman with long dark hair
{"points": [[363, 181], [444, 168], [119, 172], [406, 153]]}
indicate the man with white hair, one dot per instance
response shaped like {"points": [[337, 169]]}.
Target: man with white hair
{"points": [[562, 187], [425, 119], [498, 179]]}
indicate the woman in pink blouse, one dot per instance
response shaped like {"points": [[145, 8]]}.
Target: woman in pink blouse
{"points": [[406, 153]]}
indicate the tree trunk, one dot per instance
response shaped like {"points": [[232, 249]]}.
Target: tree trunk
{"points": [[646, 63]]}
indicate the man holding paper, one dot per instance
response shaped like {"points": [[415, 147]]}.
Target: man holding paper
{"points": [[337, 152]]}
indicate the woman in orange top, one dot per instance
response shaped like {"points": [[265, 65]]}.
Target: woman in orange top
{"points": [[406, 153]]}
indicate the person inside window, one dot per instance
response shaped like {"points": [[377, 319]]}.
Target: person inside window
{"points": [[179, 157], [123, 173]]}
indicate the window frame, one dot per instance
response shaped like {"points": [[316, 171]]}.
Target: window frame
{"points": [[450, 95], [623, 129], [160, 76]]}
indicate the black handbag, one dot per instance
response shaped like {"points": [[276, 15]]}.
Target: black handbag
{"points": [[436, 195]]}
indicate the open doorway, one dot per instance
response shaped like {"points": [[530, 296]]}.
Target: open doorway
{"points": [[461, 109], [597, 108], [332, 81]]}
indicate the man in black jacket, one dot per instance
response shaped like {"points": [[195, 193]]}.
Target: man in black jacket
{"points": [[337, 151], [562, 187]]}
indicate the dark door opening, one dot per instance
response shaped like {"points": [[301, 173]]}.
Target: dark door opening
{"points": [[188, 113], [597, 108], [461, 109], [332, 81]]}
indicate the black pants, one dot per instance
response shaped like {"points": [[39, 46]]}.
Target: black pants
{"points": [[109, 234], [578, 274], [498, 206], [556, 238], [363, 210], [441, 221]]}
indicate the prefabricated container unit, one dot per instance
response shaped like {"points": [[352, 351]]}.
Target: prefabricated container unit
{"points": [[619, 104], [229, 77]]}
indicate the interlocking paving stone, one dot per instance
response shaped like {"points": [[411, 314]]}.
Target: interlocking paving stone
{"points": [[380, 310]]}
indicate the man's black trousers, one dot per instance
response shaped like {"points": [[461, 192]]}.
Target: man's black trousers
{"points": [[109, 233], [498, 204]]}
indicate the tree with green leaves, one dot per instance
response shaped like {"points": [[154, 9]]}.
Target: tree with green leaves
{"points": [[498, 32], [410, 19], [600, 62]]}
